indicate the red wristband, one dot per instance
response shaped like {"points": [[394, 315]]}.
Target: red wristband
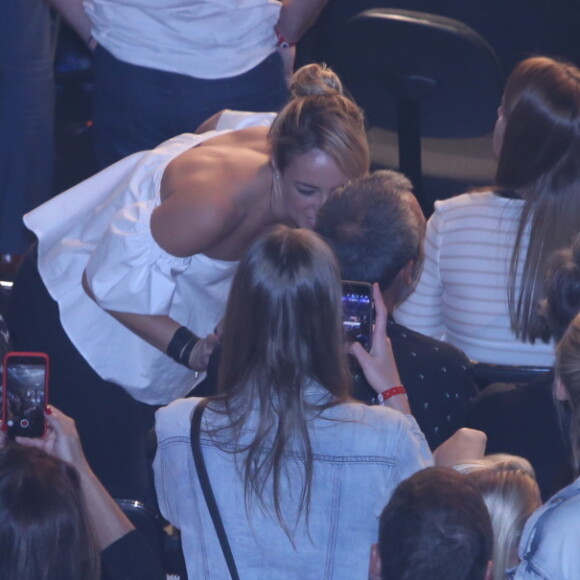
{"points": [[392, 392], [282, 42]]}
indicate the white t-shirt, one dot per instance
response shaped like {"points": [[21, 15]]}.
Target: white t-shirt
{"points": [[461, 296], [207, 39]]}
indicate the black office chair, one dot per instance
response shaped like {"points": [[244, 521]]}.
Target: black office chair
{"points": [[422, 76]]}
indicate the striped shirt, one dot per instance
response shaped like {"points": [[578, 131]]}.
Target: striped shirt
{"points": [[461, 296]]}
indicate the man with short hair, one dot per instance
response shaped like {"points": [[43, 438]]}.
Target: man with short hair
{"points": [[376, 229], [435, 527]]}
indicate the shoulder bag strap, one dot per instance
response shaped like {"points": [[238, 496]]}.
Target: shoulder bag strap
{"points": [[207, 490]]}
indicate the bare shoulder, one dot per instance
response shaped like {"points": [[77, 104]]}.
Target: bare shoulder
{"points": [[204, 192]]}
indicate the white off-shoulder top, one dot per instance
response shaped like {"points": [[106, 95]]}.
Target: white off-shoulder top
{"points": [[102, 226]]}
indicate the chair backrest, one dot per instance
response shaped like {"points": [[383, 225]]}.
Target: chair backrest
{"points": [[421, 74], [485, 374], [146, 521]]}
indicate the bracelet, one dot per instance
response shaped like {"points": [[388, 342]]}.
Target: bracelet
{"points": [[282, 42], [181, 345], [392, 392]]}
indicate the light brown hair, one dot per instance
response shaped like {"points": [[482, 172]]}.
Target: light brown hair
{"points": [[319, 116]]}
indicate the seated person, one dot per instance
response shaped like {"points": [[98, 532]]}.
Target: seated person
{"points": [[550, 540], [486, 252], [522, 419], [47, 486], [376, 229], [435, 527], [510, 492]]}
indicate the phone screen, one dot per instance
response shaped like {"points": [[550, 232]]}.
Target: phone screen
{"points": [[24, 394], [357, 306]]}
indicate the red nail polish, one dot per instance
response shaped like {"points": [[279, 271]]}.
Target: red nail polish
{"points": [[49, 410]]}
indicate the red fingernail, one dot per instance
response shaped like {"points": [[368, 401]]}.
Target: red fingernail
{"points": [[49, 410]]}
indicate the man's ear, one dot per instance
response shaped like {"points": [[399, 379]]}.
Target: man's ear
{"points": [[407, 273], [375, 568], [560, 391]]}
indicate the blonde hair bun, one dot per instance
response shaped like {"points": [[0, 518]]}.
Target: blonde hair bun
{"points": [[315, 79]]}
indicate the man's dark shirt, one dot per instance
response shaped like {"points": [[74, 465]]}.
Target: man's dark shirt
{"points": [[438, 378]]}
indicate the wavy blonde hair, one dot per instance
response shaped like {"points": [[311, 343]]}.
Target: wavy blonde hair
{"points": [[510, 492]]}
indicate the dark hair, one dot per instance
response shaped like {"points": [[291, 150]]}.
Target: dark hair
{"points": [[44, 529], [319, 116], [435, 527], [539, 159], [373, 228], [563, 288], [568, 371], [282, 332]]}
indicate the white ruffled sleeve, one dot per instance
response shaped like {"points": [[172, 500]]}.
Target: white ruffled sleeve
{"points": [[128, 271]]}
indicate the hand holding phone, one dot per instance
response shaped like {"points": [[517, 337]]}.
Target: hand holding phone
{"points": [[378, 365], [24, 393], [358, 312]]}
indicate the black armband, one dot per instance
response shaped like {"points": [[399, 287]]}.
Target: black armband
{"points": [[181, 345]]}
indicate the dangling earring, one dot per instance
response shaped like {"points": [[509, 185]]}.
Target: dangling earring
{"points": [[275, 190]]}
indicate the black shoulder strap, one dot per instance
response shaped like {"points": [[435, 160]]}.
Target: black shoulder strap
{"points": [[207, 490]]}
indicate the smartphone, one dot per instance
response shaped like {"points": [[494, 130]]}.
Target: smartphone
{"points": [[358, 312], [24, 393]]}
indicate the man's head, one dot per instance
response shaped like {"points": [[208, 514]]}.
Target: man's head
{"points": [[376, 228], [435, 526]]}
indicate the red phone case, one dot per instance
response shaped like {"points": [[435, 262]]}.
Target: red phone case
{"points": [[6, 362]]}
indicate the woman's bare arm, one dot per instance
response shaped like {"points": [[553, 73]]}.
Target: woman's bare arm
{"points": [[158, 330]]}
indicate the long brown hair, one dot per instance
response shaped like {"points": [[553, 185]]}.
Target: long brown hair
{"points": [[45, 531], [539, 159], [282, 332]]}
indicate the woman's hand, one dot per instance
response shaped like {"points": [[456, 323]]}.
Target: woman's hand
{"points": [[378, 365], [463, 446], [199, 357], [60, 440]]}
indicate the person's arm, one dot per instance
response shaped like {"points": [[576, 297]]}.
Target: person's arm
{"points": [[158, 330], [114, 533], [463, 446], [296, 16], [378, 365], [62, 441], [197, 214], [74, 13]]}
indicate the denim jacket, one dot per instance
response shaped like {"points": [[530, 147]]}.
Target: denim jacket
{"points": [[550, 544], [361, 453]]}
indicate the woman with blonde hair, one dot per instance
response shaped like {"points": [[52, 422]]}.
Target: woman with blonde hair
{"points": [[487, 252], [511, 494], [135, 264]]}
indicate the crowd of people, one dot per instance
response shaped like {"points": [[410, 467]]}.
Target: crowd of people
{"points": [[213, 264]]}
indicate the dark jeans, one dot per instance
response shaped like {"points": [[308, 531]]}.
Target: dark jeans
{"points": [[112, 425], [136, 108]]}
